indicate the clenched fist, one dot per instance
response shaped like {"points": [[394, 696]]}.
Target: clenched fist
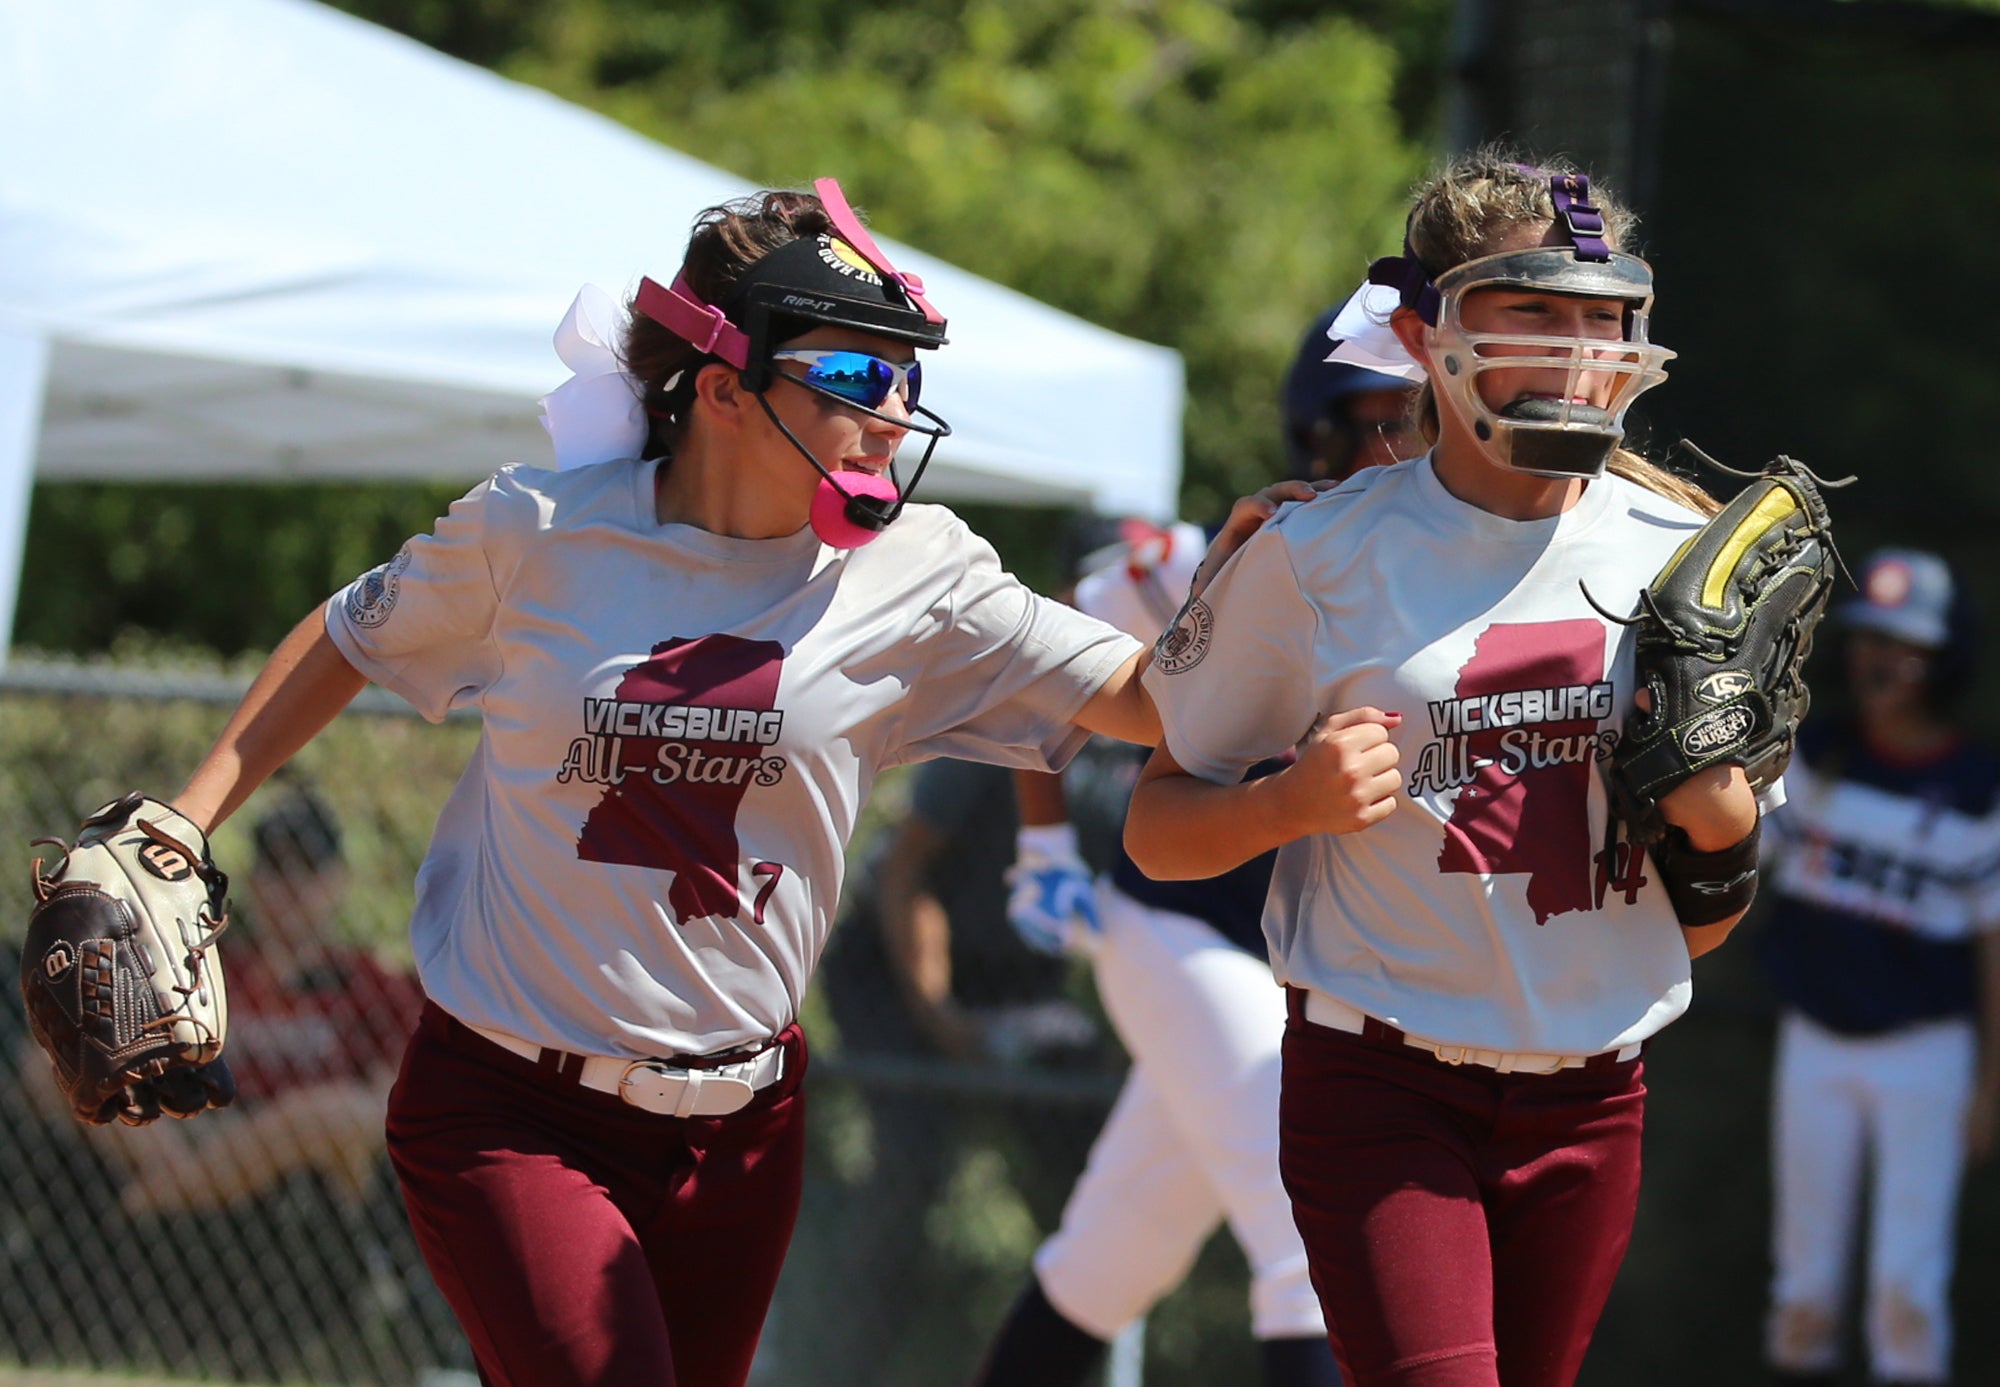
{"points": [[1345, 778]]}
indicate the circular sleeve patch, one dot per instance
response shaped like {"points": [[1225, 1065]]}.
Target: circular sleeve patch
{"points": [[1184, 643], [370, 600]]}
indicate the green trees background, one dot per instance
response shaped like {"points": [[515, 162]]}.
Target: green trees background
{"points": [[1205, 174], [1208, 174]]}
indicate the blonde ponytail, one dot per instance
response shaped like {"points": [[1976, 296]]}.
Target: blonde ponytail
{"points": [[1658, 480]]}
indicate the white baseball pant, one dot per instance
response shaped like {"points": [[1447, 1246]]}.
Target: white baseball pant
{"points": [[1193, 1138], [1897, 1101]]}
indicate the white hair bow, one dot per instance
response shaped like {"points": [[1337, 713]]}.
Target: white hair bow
{"points": [[597, 414], [1361, 335]]}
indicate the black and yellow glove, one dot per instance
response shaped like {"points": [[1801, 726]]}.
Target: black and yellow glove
{"points": [[1723, 634]]}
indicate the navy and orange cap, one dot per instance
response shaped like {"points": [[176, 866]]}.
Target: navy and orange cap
{"points": [[1906, 594]]}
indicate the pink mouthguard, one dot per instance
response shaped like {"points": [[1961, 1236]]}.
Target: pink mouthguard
{"points": [[829, 508]]}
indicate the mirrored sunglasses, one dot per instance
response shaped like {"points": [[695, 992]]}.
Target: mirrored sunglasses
{"points": [[857, 377]]}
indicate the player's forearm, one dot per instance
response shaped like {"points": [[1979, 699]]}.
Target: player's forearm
{"points": [[1182, 828], [302, 687], [1039, 797], [1714, 808], [916, 934], [1122, 708], [920, 950]]}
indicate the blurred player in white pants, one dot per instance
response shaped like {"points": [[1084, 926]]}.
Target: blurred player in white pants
{"points": [[1887, 899], [1182, 972], [1192, 1139]]}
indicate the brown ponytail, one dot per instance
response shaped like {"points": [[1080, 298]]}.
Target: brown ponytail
{"points": [[726, 241]]}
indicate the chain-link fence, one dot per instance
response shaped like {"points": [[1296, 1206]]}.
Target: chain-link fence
{"points": [[267, 1243]]}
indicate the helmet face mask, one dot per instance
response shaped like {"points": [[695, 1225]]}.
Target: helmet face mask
{"points": [[775, 306], [819, 281], [838, 278], [1547, 438]]}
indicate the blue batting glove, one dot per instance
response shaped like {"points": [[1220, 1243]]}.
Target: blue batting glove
{"points": [[1052, 901]]}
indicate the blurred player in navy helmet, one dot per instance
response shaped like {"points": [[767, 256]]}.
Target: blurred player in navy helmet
{"points": [[1340, 417], [1882, 946], [1182, 971], [1192, 1141]]}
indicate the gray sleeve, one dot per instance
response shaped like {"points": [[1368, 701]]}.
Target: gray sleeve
{"points": [[1234, 677], [421, 625], [1004, 671]]}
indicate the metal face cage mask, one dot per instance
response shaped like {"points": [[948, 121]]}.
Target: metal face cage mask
{"points": [[1548, 438]]}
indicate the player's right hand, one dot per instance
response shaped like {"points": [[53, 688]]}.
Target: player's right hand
{"points": [[1345, 778]]}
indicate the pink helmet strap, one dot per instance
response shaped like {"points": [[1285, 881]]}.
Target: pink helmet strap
{"points": [[850, 230], [680, 311]]}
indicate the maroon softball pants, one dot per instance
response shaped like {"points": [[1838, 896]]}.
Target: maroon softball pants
{"points": [[583, 1242], [1463, 1226]]}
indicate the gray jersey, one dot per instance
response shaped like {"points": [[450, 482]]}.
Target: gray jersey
{"points": [[679, 729], [1486, 911]]}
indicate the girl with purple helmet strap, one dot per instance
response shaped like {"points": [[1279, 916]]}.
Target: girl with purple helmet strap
{"points": [[1472, 967]]}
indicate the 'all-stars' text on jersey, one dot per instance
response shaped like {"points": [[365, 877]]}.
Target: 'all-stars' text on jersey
{"points": [[1487, 911], [678, 731]]}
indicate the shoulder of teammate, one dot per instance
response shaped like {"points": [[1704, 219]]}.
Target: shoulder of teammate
{"points": [[1346, 512], [1333, 524], [1235, 676]]}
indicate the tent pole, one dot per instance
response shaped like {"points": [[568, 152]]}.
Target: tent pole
{"points": [[24, 370]]}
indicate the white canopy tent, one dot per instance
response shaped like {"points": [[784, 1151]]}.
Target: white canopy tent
{"points": [[262, 239]]}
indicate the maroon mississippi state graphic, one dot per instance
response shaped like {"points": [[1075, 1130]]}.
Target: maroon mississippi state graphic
{"points": [[675, 747], [1519, 741]]}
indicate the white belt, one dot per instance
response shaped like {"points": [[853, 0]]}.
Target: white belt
{"points": [[659, 1087], [1335, 1014]]}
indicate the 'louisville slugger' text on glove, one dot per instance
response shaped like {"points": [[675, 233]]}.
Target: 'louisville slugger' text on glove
{"points": [[1722, 634]]}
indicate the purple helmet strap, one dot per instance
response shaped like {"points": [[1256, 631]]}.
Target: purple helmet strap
{"points": [[1580, 221], [1575, 214], [1406, 275]]}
